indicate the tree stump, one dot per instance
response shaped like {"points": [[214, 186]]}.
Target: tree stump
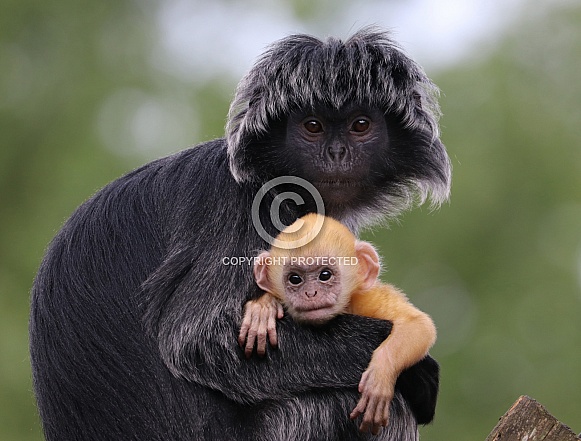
{"points": [[528, 420]]}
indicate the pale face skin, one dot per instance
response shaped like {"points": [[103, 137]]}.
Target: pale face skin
{"points": [[313, 293]]}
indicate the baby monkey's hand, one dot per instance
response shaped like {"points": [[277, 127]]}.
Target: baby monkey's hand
{"points": [[377, 389], [259, 322]]}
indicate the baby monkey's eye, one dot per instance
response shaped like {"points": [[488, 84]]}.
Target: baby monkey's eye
{"points": [[325, 275], [295, 279]]}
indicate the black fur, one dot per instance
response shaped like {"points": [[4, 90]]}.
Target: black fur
{"points": [[303, 72], [134, 319]]}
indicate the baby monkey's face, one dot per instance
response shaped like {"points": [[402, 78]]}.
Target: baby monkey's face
{"points": [[314, 293]]}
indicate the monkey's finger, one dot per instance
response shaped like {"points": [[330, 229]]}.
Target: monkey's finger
{"points": [[249, 345], [271, 330], [251, 336], [261, 337], [378, 420], [369, 415], [280, 311], [365, 426], [360, 408], [386, 413], [244, 328]]}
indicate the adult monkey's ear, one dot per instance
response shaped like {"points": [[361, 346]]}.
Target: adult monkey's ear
{"points": [[261, 272], [368, 264]]}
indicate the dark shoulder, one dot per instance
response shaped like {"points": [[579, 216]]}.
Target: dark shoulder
{"points": [[208, 157], [170, 176], [156, 187]]}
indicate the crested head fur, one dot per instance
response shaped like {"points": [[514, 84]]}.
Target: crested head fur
{"points": [[368, 69]]}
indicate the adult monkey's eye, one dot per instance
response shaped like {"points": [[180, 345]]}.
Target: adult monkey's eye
{"points": [[295, 279], [360, 125], [313, 126], [325, 275]]}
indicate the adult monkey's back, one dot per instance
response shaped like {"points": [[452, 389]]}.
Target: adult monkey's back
{"points": [[134, 314]]}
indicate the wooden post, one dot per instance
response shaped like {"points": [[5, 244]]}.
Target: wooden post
{"points": [[528, 420]]}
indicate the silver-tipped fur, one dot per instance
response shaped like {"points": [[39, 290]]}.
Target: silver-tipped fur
{"points": [[301, 71]]}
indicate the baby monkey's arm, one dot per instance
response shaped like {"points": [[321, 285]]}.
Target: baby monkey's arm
{"points": [[412, 335]]}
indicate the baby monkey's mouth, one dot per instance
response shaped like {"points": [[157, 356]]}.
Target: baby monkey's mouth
{"points": [[303, 307], [315, 315]]}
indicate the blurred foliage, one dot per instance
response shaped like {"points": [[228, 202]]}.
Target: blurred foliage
{"points": [[499, 268]]}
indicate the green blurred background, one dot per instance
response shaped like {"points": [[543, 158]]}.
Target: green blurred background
{"points": [[90, 90]]}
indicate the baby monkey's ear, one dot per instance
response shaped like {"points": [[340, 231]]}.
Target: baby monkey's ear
{"points": [[368, 262], [261, 272]]}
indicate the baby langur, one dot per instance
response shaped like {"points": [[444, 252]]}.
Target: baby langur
{"points": [[317, 275]]}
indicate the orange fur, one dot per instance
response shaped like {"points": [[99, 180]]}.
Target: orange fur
{"points": [[413, 331]]}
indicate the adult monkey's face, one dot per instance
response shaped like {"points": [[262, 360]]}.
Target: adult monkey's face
{"points": [[339, 151]]}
